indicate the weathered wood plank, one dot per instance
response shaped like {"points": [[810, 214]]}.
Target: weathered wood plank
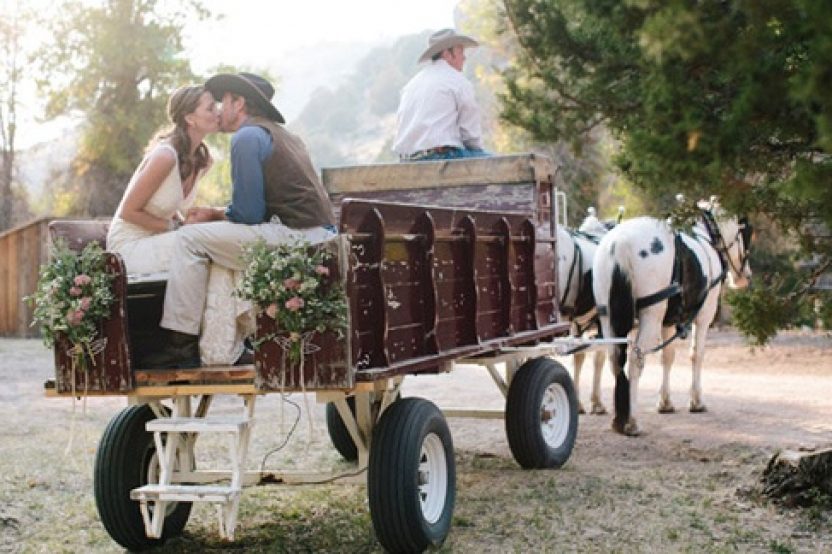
{"points": [[515, 169]]}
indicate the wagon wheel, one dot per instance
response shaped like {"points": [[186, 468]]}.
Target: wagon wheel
{"points": [[541, 414], [127, 459], [411, 477], [338, 433]]}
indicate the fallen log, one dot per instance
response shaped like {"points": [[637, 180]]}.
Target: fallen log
{"points": [[799, 478]]}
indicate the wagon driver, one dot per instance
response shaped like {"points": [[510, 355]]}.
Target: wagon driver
{"points": [[438, 115], [276, 196]]}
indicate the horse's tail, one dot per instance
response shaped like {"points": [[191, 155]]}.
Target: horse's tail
{"points": [[613, 287], [622, 319]]}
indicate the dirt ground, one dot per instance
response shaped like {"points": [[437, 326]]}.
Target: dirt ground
{"points": [[688, 484]]}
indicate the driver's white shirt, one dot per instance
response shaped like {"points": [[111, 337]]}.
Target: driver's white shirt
{"points": [[437, 108]]}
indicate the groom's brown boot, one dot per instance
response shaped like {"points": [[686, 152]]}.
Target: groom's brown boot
{"points": [[181, 351]]}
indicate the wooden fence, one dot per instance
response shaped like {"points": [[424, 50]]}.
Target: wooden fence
{"points": [[22, 251]]}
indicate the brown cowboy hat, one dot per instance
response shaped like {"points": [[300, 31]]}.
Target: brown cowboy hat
{"points": [[254, 88], [444, 39]]}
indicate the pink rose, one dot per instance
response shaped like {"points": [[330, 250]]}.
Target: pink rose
{"points": [[322, 270], [74, 317], [75, 291], [294, 304], [271, 311], [81, 280], [85, 303], [291, 284]]}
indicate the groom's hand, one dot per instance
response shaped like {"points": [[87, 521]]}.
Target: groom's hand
{"points": [[203, 214]]}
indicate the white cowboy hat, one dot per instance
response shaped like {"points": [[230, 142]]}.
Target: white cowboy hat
{"points": [[444, 39]]}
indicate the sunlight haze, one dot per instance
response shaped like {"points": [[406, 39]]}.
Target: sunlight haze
{"points": [[279, 37]]}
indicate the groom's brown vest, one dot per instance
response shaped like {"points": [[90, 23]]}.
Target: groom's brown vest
{"points": [[293, 191]]}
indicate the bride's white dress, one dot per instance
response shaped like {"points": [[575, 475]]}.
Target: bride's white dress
{"points": [[146, 252]]}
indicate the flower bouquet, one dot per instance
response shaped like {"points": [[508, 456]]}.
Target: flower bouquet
{"points": [[299, 298], [72, 297]]}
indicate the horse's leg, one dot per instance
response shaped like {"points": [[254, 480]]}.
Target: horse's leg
{"points": [[598, 359], [697, 356], [649, 335], [578, 362], [697, 348], [668, 355]]}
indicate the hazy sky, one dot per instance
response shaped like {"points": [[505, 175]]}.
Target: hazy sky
{"points": [[258, 31], [263, 33]]}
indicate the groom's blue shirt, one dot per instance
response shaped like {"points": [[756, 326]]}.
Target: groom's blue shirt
{"points": [[250, 147]]}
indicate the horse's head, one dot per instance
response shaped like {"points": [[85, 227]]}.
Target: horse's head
{"points": [[734, 244]]}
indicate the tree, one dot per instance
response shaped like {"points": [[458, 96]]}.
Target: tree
{"points": [[12, 25], [115, 63], [583, 171], [713, 97]]}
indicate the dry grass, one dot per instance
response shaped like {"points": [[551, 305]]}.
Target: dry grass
{"points": [[674, 490]]}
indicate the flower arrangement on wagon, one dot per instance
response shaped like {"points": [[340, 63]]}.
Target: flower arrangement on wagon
{"points": [[290, 283], [72, 297]]}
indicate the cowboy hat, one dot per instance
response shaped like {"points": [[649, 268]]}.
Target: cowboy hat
{"points": [[444, 39], [253, 88]]}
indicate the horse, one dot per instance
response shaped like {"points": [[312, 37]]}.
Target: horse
{"points": [[670, 282], [576, 250]]}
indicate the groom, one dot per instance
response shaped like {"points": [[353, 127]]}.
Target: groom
{"points": [[276, 196]]}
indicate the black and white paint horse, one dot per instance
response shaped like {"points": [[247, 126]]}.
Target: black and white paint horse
{"points": [[668, 282], [576, 251]]}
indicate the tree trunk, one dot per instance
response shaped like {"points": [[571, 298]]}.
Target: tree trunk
{"points": [[798, 478], [6, 199]]}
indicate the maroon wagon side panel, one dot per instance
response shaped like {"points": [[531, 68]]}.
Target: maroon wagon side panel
{"points": [[440, 283]]}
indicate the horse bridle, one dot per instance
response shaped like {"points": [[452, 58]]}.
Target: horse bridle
{"points": [[743, 236]]}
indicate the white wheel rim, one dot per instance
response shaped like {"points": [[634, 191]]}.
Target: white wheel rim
{"points": [[554, 415], [433, 478]]}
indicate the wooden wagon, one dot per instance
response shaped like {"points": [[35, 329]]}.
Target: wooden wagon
{"points": [[442, 262]]}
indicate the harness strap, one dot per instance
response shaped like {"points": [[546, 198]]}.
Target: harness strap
{"points": [[682, 329], [577, 259], [646, 301]]}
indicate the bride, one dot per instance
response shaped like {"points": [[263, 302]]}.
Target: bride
{"points": [[155, 204]]}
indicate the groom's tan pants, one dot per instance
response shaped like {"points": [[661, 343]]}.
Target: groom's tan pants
{"points": [[220, 242]]}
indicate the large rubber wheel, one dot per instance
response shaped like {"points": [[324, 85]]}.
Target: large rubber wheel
{"points": [[125, 458], [411, 477], [541, 414], [338, 434]]}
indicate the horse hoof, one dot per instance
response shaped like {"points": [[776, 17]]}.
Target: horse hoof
{"points": [[581, 409], [698, 409], [631, 429], [599, 409], [667, 408]]}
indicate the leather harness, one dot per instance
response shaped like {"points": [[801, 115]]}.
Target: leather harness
{"points": [[683, 313]]}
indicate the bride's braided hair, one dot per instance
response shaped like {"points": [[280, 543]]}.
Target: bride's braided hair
{"points": [[182, 102]]}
